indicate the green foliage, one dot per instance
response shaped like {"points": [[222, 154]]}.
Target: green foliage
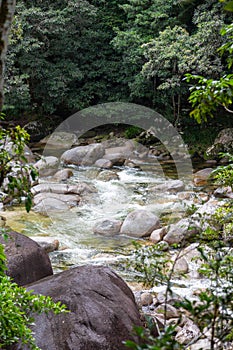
{"points": [[165, 341], [132, 131], [15, 173], [150, 264], [17, 306], [223, 175]]}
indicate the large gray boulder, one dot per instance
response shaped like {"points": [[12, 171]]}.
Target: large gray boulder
{"points": [[102, 311], [27, 262], [222, 143], [47, 166], [140, 223], [83, 155], [107, 227]]}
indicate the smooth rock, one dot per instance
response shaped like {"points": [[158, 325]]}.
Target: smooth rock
{"points": [[157, 235], [171, 311], [103, 163], [201, 177], [83, 155], [146, 299], [108, 227], [107, 175], [62, 175], [27, 262], [183, 229], [102, 313], [181, 266], [52, 205], [172, 186], [63, 188], [59, 139], [140, 223], [47, 165], [70, 199]]}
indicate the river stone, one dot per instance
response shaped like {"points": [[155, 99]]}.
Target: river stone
{"points": [[202, 177], [223, 143], [104, 163], [70, 199], [83, 155], [183, 229], [102, 313], [171, 311], [139, 223], [188, 332], [62, 175], [146, 299], [63, 188], [172, 186], [107, 227], [181, 266], [107, 175], [223, 192], [157, 235], [47, 165], [51, 205], [27, 262], [59, 139]]}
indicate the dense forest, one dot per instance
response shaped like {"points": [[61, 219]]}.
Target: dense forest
{"points": [[68, 55]]}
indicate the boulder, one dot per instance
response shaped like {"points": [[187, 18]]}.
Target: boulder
{"points": [[51, 205], [202, 177], [222, 143], [172, 186], [189, 332], [27, 262], [83, 155], [107, 227], [47, 166], [107, 175], [63, 188], [60, 139], [157, 235], [62, 175], [223, 192], [183, 229], [104, 163], [102, 313], [70, 199], [139, 223]]}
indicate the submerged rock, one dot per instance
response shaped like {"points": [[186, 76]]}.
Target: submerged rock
{"points": [[108, 227], [102, 311]]}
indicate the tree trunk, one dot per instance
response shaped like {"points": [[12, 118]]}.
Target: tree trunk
{"points": [[7, 8]]}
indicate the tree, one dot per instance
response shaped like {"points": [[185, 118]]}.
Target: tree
{"points": [[7, 8]]}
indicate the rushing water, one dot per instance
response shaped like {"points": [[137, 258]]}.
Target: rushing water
{"points": [[114, 199]]}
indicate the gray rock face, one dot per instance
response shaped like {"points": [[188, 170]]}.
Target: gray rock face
{"points": [[47, 165], [60, 139], [102, 311], [222, 143], [140, 223], [172, 186], [108, 227], [183, 229], [83, 155], [202, 177], [27, 262]]}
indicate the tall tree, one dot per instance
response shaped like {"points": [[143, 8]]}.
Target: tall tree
{"points": [[7, 8]]}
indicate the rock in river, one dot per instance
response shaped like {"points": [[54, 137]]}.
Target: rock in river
{"points": [[102, 313], [140, 223]]}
